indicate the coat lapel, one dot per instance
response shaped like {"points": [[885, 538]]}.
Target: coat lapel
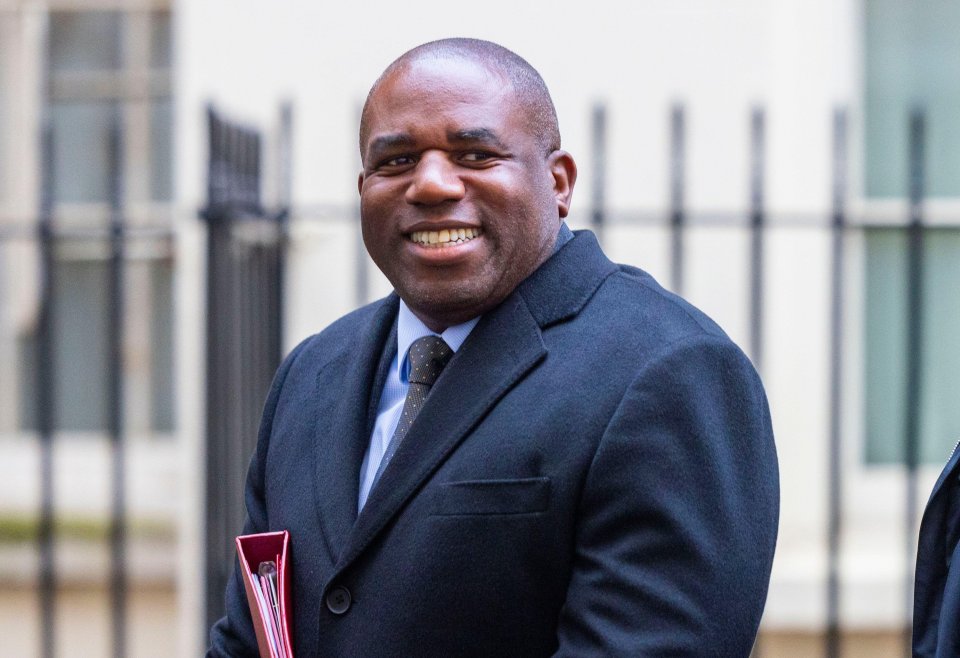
{"points": [[342, 436], [503, 347]]}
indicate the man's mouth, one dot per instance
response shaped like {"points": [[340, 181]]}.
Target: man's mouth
{"points": [[444, 237]]}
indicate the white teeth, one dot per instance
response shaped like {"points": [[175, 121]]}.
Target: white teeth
{"points": [[445, 237]]}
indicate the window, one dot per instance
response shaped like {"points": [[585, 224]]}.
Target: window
{"points": [[108, 77], [110, 71], [912, 61], [886, 341], [80, 348]]}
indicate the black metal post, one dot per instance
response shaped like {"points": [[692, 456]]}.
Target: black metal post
{"points": [[914, 356], [46, 402], [757, 221], [599, 192], [835, 456], [216, 414], [115, 337], [253, 169], [244, 289], [677, 188]]}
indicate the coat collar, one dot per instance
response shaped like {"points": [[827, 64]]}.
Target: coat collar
{"points": [[504, 346], [562, 286]]}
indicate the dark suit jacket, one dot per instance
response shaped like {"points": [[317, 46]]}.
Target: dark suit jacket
{"points": [[936, 594], [593, 474]]}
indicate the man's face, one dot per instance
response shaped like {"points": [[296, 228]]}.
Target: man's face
{"points": [[458, 201]]}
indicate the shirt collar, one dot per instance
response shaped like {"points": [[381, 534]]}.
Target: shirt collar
{"points": [[410, 328]]}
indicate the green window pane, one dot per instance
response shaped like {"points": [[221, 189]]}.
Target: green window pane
{"points": [[161, 153], [161, 40], [912, 61], [85, 41], [886, 341], [81, 150], [162, 353], [80, 349]]}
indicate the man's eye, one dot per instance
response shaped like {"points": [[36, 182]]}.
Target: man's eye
{"points": [[476, 156], [398, 161]]}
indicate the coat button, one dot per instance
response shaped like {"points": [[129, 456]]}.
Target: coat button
{"points": [[338, 600]]}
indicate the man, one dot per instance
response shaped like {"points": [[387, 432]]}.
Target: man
{"points": [[592, 472]]}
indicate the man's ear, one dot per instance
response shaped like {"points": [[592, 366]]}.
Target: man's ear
{"points": [[564, 172]]}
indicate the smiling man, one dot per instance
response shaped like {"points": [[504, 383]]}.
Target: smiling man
{"points": [[526, 450], [446, 145]]}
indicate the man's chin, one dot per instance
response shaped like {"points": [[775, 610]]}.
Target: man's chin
{"points": [[444, 306]]}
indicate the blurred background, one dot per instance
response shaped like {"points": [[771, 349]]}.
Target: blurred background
{"points": [[178, 208]]}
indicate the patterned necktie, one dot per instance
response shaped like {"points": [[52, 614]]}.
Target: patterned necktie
{"points": [[428, 356]]}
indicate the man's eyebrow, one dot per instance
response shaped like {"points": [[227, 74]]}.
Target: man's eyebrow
{"points": [[481, 135], [387, 142]]}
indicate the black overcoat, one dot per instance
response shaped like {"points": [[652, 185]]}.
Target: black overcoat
{"points": [[593, 474]]}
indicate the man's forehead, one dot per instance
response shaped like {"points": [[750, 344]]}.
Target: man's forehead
{"points": [[463, 102], [434, 78]]}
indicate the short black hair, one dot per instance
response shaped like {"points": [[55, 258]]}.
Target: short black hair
{"points": [[530, 89]]}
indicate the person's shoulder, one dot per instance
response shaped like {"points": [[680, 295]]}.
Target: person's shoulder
{"points": [[621, 302], [635, 302], [647, 330]]}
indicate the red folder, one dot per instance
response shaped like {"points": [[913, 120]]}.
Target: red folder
{"points": [[252, 550]]}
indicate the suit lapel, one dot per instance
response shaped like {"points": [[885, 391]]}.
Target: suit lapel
{"points": [[502, 348], [342, 436]]}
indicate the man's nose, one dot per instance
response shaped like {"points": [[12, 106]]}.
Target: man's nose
{"points": [[435, 180]]}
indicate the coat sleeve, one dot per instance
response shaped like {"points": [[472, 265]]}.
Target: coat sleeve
{"points": [[233, 635], [678, 518]]}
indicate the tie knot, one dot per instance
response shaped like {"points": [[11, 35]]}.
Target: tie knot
{"points": [[428, 356]]}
